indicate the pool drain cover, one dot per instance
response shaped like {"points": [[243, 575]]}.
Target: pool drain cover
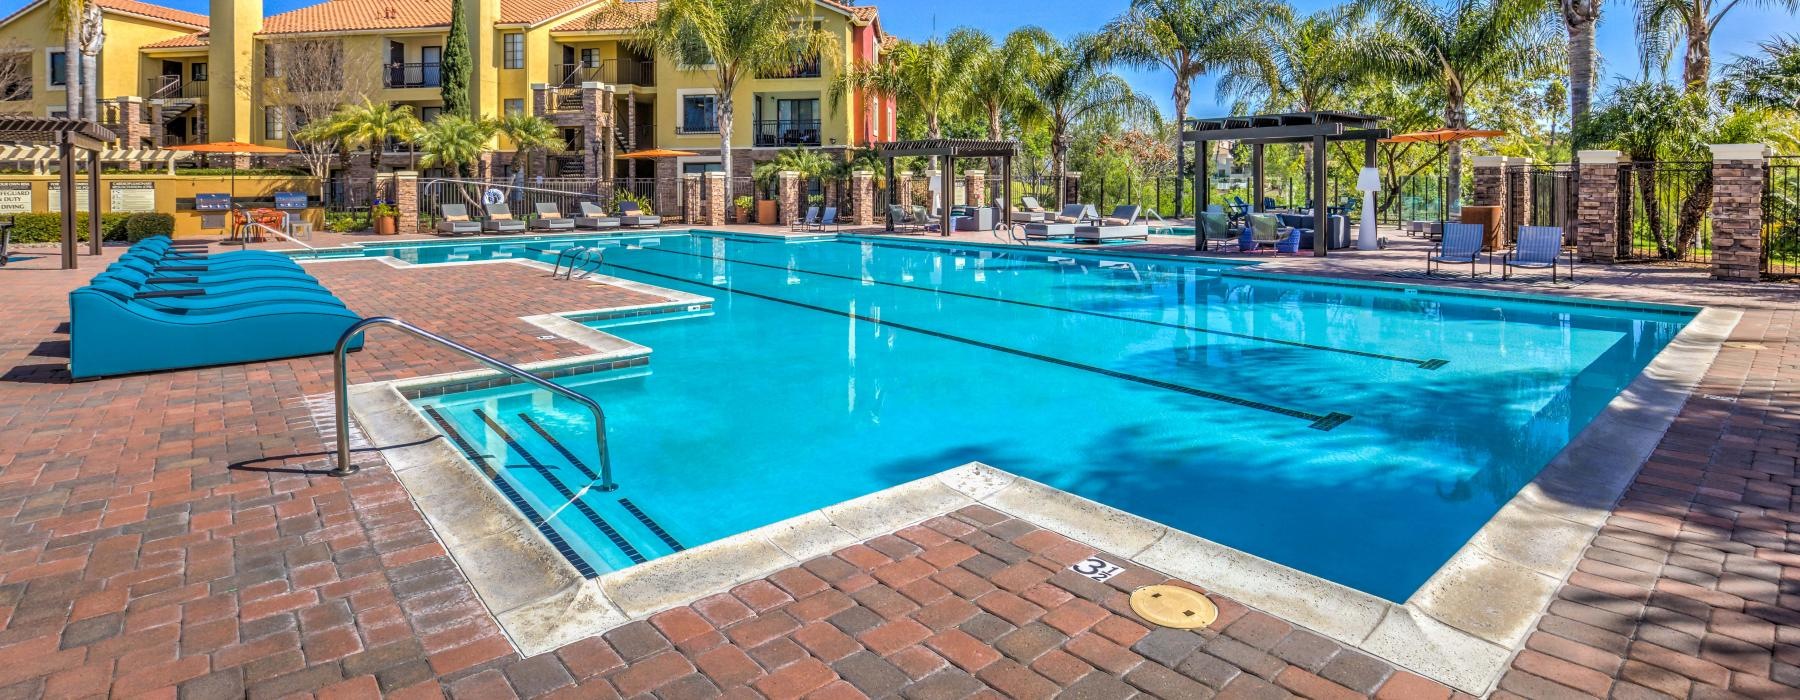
{"points": [[1174, 606]]}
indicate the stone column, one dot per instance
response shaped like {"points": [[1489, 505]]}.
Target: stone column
{"points": [[1518, 192], [690, 198], [1597, 208], [787, 196], [1490, 191], [631, 123], [134, 127], [1071, 193], [903, 187], [1740, 178], [975, 188], [406, 199], [862, 198], [540, 99], [715, 199], [667, 183], [595, 119]]}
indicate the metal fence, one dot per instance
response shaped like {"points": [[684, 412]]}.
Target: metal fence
{"points": [[1781, 218], [1666, 203], [1549, 190], [1413, 198], [522, 200]]}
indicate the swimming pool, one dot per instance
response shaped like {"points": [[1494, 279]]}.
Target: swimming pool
{"points": [[1357, 432]]}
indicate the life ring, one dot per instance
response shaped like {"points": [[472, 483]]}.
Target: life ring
{"points": [[492, 196]]}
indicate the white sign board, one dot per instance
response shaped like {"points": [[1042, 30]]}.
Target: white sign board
{"points": [[136, 195], [15, 197], [81, 197]]}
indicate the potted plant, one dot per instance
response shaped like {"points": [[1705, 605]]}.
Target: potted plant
{"points": [[743, 202], [385, 216]]}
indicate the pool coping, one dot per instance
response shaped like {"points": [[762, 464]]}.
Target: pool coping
{"points": [[1462, 627]]}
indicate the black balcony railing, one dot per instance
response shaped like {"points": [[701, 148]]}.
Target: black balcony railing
{"points": [[629, 71], [787, 132], [808, 68], [411, 75], [164, 87]]}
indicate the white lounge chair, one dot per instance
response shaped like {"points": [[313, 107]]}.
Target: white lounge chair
{"points": [[1063, 226], [1122, 225], [1029, 211]]}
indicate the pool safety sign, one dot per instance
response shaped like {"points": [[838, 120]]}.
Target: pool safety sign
{"points": [[81, 197], [134, 196], [15, 197], [1097, 569]]}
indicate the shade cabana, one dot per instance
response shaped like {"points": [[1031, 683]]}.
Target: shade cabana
{"points": [[66, 135], [1316, 128], [950, 150]]}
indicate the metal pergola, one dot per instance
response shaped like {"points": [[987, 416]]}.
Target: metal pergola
{"points": [[950, 150], [1316, 128], [66, 135]]}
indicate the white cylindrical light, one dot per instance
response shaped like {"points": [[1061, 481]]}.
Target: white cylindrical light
{"points": [[1369, 181]]}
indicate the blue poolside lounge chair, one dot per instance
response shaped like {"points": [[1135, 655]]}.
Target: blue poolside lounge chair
{"points": [[109, 335], [1461, 244], [144, 282], [1538, 247], [163, 253], [828, 219], [206, 274], [202, 300], [806, 221]]}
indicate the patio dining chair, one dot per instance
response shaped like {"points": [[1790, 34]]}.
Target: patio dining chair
{"points": [[1538, 247], [810, 220], [1266, 229], [1461, 244]]}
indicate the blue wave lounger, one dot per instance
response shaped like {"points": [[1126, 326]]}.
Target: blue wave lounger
{"points": [[111, 335]]}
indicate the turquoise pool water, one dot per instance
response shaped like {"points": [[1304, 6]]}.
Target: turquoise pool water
{"points": [[1359, 433]]}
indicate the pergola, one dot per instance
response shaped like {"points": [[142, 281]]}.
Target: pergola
{"points": [[951, 149], [1316, 128], [66, 135]]}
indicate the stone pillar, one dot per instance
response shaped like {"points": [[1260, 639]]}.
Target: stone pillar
{"points": [[862, 198], [1071, 193], [1490, 191], [596, 119], [1518, 192], [715, 199], [975, 188], [691, 202], [1597, 208], [1740, 178], [406, 199], [903, 187], [667, 185], [540, 99], [788, 195], [134, 127], [631, 123]]}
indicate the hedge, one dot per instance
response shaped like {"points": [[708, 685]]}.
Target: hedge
{"points": [[144, 225], [47, 228]]}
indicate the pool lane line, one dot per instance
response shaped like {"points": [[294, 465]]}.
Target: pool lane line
{"points": [[568, 495], [1421, 364], [649, 523], [558, 446], [1315, 421], [506, 489]]}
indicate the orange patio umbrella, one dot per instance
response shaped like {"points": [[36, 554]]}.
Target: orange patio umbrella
{"points": [[233, 148], [1441, 137]]}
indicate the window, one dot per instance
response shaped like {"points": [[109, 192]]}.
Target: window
{"points": [[59, 68], [514, 46], [702, 168], [515, 106], [697, 113], [271, 66], [273, 126], [590, 58], [199, 73], [430, 114]]}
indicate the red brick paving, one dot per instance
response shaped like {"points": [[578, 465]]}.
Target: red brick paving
{"points": [[133, 559]]}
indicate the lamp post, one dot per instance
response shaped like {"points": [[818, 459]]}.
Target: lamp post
{"points": [[1369, 181]]}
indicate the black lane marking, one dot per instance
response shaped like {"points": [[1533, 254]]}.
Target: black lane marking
{"points": [[511, 494], [1316, 421], [1422, 364], [558, 446], [654, 528], [587, 512]]}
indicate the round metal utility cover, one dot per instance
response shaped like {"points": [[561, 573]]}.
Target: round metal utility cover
{"points": [[1174, 606]]}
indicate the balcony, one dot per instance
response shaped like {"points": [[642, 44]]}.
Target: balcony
{"points": [[169, 87], [618, 72], [773, 133], [411, 75], [808, 68]]}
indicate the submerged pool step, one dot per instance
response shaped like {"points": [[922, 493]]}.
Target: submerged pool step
{"points": [[555, 482]]}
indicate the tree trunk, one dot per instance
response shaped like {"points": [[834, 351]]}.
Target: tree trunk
{"points": [[93, 36], [72, 68], [1455, 117], [993, 135], [1697, 67], [722, 112], [1059, 164], [1580, 18], [1181, 103], [1693, 211], [1645, 172]]}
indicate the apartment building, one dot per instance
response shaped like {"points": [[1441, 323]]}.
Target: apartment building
{"points": [[176, 77]]}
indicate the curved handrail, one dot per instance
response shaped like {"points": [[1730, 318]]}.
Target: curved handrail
{"points": [[569, 254], [343, 394]]}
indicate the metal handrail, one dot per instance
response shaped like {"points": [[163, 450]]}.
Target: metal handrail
{"points": [[343, 394], [291, 239]]}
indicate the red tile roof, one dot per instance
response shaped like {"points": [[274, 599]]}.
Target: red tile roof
{"points": [[611, 16], [186, 41], [354, 15], [167, 14], [535, 11]]}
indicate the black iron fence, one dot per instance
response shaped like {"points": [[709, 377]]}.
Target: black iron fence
{"points": [[1666, 205], [1549, 193], [1781, 218], [566, 194]]}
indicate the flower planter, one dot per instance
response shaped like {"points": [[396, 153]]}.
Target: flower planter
{"points": [[385, 226], [765, 211]]}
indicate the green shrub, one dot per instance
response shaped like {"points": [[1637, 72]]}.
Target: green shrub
{"points": [[47, 228], [144, 225], [346, 221], [643, 203]]}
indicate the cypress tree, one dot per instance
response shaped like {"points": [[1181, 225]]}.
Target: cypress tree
{"points": [[456, 65]]}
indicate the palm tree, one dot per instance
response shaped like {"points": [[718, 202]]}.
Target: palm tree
{"points": [[372, 124], [1581, 18], [69, 17], [454, 141], [1191, 38], [530, 135], [1555, 99], [93, 37], [1649, 121], [1459, 47], [1308, 70], [926, 79], [996, 80], [811, 163], [1069, 86], [737, 40], [1659, 22], [1771, 80]]}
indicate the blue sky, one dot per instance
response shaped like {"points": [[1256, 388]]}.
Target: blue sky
{"points": [[918, 19]]}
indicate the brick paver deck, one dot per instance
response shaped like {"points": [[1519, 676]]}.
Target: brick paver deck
{"points": [[165, 535]]}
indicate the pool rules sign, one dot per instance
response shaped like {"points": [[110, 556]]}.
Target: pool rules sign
{"points": [[133, 196], [15, 197]]}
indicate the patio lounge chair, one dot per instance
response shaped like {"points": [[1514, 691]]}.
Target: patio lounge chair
{"points": [[827, 219], [1122, 225], [1266, 229], [1461, 244], [1029, 211], [1538, 247], [631, 215], [806, 222], [593, 216], [923, 219], [1214, 228], [500, 220], [455, 220], [1063, 226], [898, 216], [550, 218]]}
